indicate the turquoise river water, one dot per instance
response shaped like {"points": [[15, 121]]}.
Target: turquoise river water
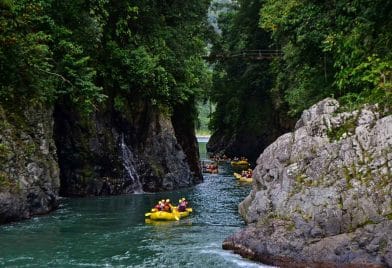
{"points": [[111, 231]]}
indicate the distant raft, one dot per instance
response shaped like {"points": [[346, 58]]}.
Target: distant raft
{"points": [[242, 179], [211, 170], [237, 175], [175, 215], [240, 163]]}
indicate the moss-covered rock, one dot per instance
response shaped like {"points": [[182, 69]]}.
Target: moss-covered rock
{"points": [[29, 174]]}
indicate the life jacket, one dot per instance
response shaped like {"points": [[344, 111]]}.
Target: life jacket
{"points": [[182, 206], [167, 207]]}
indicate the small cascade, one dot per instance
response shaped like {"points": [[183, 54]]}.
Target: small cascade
{"points": [[129, 163]]}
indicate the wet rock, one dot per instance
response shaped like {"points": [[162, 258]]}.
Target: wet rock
{"points": [[29, 173], [113, 152], [322, 194]]}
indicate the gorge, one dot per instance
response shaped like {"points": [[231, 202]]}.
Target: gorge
{"points": [[98, 111]]}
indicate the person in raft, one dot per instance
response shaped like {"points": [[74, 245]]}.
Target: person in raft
{"points": [[244, 173], [160, 206], [167, 206], [243, 158], [182, 204]]}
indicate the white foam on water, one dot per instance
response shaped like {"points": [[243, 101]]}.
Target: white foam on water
{"points": [[125, 256], [234, 258]]}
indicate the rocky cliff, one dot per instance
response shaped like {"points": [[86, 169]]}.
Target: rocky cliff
{"points": [[322, 194], [29, 174], [46, 152], [184, 128], [112, 152], [260, 124]]}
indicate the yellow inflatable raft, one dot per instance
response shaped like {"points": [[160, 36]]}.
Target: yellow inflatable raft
{"points": [[237, 175], [165, 216], [242, 179], [175, 215], [241, 163], [185, 213]]}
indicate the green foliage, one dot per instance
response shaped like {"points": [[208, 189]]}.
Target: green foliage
{"points": [[348, 128], [241, 87], [205, 109], [337, 48], [153, 51], [7, 184], [36, 65], [24, 52], [4, 151], [92, 50], [119, 103]]}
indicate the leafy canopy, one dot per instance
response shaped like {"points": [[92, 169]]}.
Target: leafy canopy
{"points": [[92, 50], [340, 48]]}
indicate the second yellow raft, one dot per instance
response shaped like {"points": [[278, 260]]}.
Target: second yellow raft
{"points": [[242, 179], [237, 175], [240, 163]]}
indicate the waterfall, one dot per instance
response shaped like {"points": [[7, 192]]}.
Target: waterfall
{"points": [[129, 163]]}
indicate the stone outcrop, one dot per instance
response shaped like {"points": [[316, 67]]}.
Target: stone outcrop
{"points": [[184, 129], [113, 152], [29, 174], [322, 194]]}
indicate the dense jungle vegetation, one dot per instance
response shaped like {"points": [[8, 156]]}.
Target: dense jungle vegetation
{"points": [[92, 51], [338, 48]]}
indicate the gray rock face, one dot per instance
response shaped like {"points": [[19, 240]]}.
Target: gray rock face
{"points": [[29, 174], [166, 162], [322, 194], [117, 153]]}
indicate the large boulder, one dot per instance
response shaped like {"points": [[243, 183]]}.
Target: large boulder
{"points": [[322, 194]]}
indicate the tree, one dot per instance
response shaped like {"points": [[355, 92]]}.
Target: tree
{"points": [[88, 50], [337, 48]]}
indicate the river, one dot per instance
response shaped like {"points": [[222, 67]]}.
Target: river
{"points": [[111, 231]]}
